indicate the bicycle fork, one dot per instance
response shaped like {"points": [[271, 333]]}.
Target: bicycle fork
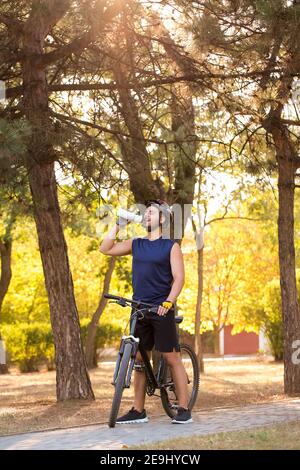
{"points": [[134, 342]]}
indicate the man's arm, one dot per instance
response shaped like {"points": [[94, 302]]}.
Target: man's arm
{"points": [[177, 267], [110, 247]]}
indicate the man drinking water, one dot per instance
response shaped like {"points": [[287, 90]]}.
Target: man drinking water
{"points": [[157, 278]]}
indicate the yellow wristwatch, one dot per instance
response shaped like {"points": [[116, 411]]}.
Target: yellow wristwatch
{"points": [[167, 304]]}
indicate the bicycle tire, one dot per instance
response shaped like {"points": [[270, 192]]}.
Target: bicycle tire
{"points": [[165, 394], [119, 386]]}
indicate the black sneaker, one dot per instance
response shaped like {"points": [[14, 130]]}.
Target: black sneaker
{"points": [[133, 416], [183, 416]]}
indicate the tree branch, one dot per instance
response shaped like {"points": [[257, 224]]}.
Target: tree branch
{"points": [[12, 24], [47, 13], [296, 161], [290, 122], [232, 217], [16, 91], [79, 44], [117, 133]]}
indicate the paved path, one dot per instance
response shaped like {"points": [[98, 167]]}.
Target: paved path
{"points": [[100, 437]]}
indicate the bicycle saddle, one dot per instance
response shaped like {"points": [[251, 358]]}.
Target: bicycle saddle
{"points": [[178, 319]]}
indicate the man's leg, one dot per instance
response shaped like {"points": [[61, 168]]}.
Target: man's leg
{"points": [[179, 376], [140, 385]]}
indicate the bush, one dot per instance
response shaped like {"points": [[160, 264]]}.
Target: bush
{"points": [[28, 345], [274, 333], [108, 334], [272, 318], [31, 345]]}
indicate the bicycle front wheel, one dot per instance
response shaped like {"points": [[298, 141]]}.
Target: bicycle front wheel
{"points": [[119, 386], [168, 394]]}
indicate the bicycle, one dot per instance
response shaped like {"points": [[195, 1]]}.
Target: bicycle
{"points": [[160, 379]]}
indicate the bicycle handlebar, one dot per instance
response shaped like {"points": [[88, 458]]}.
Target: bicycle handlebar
{"points": [[133, 302], [110, 296]]}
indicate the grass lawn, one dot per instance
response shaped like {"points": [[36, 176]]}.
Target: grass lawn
{"points": [[28, 401], [278, 437]]}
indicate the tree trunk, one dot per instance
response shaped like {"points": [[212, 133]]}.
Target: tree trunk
{"points": [[290, 306], [90, 345], [198, 337], [134, 150], [216, 333], [5, 252], [183, 121], [288, 162], [72, 380], [72, 377]]}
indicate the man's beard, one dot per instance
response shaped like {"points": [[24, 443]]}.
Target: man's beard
{"points": [[149, 228]]}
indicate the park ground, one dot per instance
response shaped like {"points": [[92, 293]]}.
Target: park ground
{"points": [[28, 401], [281, 436]]}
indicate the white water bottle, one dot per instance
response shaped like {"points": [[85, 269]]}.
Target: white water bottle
{"points": [[125, 215]]}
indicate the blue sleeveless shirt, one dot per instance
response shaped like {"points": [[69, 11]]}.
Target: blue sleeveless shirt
{"points": [[151, 269]]}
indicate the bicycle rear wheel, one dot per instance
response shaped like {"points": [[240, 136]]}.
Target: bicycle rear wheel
{"points": [[119, 386], [168, 395]]}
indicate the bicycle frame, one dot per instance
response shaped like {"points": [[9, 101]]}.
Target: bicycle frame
{"points": [[152, 382]]}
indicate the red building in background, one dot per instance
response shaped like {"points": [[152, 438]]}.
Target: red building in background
{"points": [[241, 343]]}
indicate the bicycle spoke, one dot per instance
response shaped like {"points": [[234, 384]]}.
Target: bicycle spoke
{"points": [[168, 394]]}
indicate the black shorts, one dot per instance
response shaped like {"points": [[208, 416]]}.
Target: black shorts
{"points": [[159, 331]]}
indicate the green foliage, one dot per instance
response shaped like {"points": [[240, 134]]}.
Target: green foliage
{"points": [[31, 345], [28, 344], [269, 9], [108, 334], [12, 139], [207, 31], [26, 300], [123, 272], [272, 315], [272, 318]]}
